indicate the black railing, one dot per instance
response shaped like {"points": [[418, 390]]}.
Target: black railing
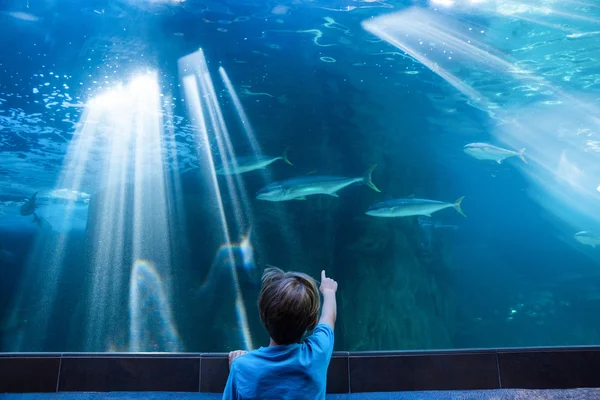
{"points": [[530, 368]]}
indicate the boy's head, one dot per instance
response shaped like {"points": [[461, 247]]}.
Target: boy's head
{"points": [[289, 305]]}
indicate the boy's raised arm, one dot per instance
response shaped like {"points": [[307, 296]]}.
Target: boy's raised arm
{"points": [[329, 311]]}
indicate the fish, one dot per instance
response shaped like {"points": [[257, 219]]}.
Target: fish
{"points": [[300, 187], [42, 223], [425, 221], [587, 238], [29, 207], [249, 163], [486, 151], [23, 16], [582, 35], [439, 225], [411, 207]]}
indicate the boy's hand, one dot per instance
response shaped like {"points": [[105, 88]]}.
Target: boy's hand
{"points": [[327, 284], [329, 309], [235, 354]]}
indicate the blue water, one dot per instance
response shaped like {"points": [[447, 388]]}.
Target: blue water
{"points": [[116, 113]]}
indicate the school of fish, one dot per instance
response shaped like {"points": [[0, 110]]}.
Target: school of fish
{"points": [[300, 187]]}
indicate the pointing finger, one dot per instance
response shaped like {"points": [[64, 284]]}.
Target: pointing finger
{"points": [[322, 275]]}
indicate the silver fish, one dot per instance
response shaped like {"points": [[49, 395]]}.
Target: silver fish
{"points": [[299, 188], [486, 151], [29, 207], [410, 207], [22, 16], [587, 238], [249, 163]]}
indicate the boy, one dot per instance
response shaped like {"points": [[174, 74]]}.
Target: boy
{"points": [[289, 368]]}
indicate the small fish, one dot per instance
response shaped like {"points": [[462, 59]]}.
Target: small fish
{"points": [[299, 188], [587, 238], [486, 151], [439, 225], [426, 221], [29, 207], [583, 35], [410, 207], [249, 163], [22, 16]]}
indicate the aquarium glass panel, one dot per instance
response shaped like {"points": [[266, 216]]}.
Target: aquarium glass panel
{"points": [[440, 159]]}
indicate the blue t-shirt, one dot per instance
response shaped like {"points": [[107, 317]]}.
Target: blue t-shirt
{"points": [[290, 372]]}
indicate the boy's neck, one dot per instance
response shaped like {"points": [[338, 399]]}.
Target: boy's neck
{"points": [[272, 343]]}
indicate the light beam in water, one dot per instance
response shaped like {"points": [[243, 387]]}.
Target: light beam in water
{"points": [[256, 149], [151, 323], [80, 168], [435, 46], [278, 209], [545, 119], [204, 109], [117, 155], [540, 13]]}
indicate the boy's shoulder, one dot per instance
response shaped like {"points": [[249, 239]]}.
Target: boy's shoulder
{"points": [[323, 328], [322, 333], [248, 360], [319, 344]]}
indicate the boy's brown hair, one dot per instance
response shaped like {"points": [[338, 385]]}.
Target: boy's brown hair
{"points": [[289, 304]]}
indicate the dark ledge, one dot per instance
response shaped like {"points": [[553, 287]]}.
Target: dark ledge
{"points": [[530, 368]]}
